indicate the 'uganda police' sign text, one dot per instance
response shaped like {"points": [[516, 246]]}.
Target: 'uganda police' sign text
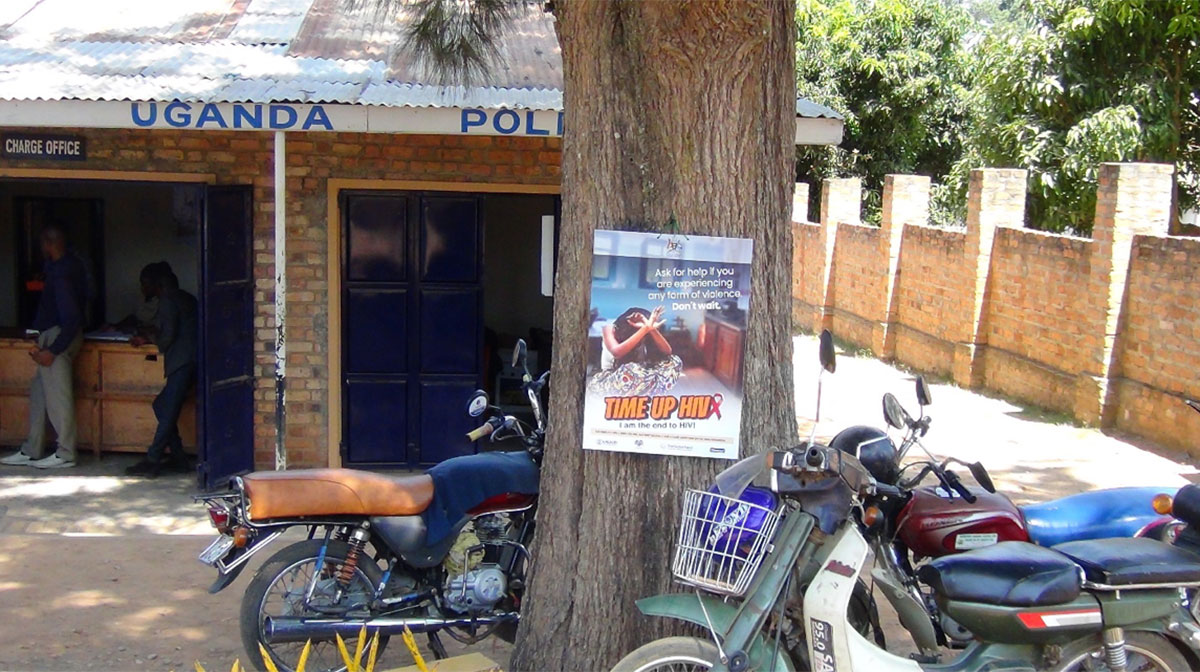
{"points": [[290, 117]]}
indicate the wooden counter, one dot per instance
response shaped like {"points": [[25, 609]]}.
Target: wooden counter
{"points": [[115, 383]]}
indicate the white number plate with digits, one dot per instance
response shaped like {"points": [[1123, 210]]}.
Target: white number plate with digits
{"points": [[822, 647], [217, 550]]}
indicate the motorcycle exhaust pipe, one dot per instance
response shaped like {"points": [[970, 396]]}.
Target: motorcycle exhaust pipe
{"points": [[280, 629]]}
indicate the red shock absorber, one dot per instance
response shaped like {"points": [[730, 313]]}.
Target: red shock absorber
{"points": [[358, 540]]}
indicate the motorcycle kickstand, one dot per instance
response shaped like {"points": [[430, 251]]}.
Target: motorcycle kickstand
{"points": [[436, 646]]}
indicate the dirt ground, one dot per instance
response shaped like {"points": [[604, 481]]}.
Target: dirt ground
{"points": [[99, 571]]}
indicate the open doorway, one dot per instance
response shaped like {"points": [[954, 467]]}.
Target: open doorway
{"points": [[117, 228]]}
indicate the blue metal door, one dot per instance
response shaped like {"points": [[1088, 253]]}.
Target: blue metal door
{"points": [[226, 372], [411, 326]]}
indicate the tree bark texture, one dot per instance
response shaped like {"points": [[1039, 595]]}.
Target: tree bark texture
{"points": [[684, 111]]}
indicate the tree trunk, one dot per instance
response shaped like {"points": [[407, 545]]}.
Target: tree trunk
{"points": [[675, 111]]}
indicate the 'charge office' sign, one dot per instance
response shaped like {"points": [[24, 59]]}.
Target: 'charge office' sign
{"points": [[41, 146]]}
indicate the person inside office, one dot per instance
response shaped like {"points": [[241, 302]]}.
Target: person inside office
{"points": [[174, 332], [59, 324]]}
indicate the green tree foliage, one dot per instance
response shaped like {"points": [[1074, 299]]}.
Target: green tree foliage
{"points": [[1069, 84], [895, 69]]}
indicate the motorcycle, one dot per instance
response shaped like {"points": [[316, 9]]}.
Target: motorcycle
{"points": [[932, 521], [773, 568], [441, 552]]}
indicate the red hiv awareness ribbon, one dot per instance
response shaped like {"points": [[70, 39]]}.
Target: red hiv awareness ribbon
{"points": [[716, 405]]}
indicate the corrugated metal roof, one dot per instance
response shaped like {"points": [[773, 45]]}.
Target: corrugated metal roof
{"points": [[271, 21], [811, 110], [51, 21], [226, 51]]}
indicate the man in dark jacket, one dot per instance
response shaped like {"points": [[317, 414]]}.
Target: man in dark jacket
{"points": [[175, 334], [59, 323]]}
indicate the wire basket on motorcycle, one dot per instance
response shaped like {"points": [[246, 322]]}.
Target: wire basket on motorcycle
{"points": [[722, 540]]}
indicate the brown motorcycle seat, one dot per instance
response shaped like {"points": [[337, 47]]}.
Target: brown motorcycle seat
{"points": [[334, 492]]}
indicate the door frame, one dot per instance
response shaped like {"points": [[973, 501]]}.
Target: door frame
{"points": [[334, 186]]}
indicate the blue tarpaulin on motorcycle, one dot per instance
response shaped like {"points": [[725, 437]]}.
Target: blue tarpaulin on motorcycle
{"points": [[462, 483]]}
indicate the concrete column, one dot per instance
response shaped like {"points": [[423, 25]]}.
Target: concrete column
{"points": [[1132, 199], [905, 201], [841, 203], [995, 198]]}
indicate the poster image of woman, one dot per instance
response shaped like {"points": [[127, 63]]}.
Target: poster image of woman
{"points": [[636, 359]]}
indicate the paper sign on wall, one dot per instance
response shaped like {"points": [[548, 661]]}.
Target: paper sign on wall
{"points": [[666, 344]]}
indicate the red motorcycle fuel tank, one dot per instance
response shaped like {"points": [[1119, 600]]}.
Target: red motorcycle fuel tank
{"points": [[934, 524]]}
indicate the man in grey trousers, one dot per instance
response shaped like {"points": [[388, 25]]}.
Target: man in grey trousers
{"points": [[59, 321]]}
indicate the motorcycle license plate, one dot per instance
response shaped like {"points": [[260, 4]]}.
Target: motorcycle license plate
{"points": [[217, 550]]}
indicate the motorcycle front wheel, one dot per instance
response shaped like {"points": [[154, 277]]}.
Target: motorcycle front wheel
{"points": [[280, 588], [671, 654], [1146, 651]]}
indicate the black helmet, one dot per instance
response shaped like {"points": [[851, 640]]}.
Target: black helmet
{"points": [[873, 448]]}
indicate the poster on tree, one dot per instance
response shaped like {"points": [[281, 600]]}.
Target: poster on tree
{"points": [[667, 343]]}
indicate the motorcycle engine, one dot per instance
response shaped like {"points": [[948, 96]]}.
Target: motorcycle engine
{"points": [[477, 590], [473, 585]]}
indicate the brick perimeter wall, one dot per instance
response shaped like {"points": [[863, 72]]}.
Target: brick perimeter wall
{"points": [[312, 159], [927, 297], [1036, 316], [1158, 357], [1106, 329], [807, 289], [853, 283]]}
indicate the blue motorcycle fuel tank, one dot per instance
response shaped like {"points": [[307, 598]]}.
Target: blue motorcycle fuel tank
{"points": [[1116, 512]]}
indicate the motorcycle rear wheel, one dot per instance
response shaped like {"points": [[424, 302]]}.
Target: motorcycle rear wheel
{"points": [[292, 561], [1146, 651], [671, 654]]}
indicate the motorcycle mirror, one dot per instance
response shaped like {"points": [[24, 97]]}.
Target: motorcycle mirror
{"points": [[828, 356], [518, 358], [982, 477], [894, 413], [477, 404], [924, 397]]}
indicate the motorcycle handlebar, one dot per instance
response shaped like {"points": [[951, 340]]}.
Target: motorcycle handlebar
{"points": [[888, 490], [953, 481], [817, 459], [921, 427], [480, 432]]}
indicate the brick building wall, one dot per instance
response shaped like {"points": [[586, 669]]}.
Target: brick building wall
{"points": [[247, 158], [1105, 329]]}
